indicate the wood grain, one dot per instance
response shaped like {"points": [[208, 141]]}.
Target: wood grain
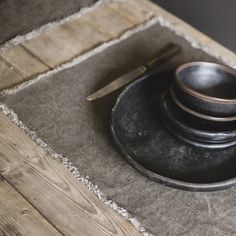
{"points": [[132, 11], [86, 30], [18, 217], [47, 185], [106, 20], [70, 40], [57, 46], [9, 74], [24, 61], [64, 204]]}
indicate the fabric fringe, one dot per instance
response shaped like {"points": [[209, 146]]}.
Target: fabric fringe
{"points": [[44, 28], [155, 20], [194, 43], [158, 19], [81, 58]]}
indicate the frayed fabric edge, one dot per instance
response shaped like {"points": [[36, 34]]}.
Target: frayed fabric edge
{"points": [[154, 20], [73, 169], [51, 25], [80, 58], [195, 43]]}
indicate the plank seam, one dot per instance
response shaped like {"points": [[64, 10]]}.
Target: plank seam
{"points": [[35, 208], [74, 170], [12, 67], [35, 56]]}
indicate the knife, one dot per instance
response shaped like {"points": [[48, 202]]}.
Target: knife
{"points": [[164, 54]]}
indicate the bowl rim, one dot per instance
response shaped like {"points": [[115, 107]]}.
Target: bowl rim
{"points": [[198, 114], [168, 92], [200, 95]]}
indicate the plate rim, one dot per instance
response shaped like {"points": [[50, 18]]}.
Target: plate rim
{"points": [[163, 180]]}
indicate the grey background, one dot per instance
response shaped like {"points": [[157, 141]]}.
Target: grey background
{"points": [[216, 18]]}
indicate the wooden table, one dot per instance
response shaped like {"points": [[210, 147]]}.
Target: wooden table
{"points": [[38, 196]]}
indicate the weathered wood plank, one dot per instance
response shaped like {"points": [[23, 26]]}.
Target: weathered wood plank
{"points": [[86, 30], [9, 75], [51, 188], [106, 20], [18, 217], [57, 46], [132, 11], [69, 40], [24, 62]]}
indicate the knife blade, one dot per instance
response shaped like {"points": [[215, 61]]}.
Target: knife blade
{"points": [[164, 54]]}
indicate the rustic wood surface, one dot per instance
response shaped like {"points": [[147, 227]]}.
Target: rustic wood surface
{"points": [[18, 217], [9, 74], [48, 186], [24, 62], [71, 39], [133, 11], [57, 46], [38, 196]]}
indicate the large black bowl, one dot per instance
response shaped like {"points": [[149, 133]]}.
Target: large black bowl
{"points": [[208, 88]]}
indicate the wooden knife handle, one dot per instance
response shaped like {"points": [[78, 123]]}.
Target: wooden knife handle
{"points": [[164, 54]]}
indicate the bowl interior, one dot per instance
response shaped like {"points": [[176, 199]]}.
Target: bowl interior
{"points": [[214, 81]]}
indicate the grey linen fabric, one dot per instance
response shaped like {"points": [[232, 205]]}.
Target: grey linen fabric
{"points": [[56, 108]]}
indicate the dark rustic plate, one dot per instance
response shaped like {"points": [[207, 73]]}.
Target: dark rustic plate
{"points": [[138, 133]]}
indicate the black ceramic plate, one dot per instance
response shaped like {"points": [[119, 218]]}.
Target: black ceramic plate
{"points": [[138, 133]]}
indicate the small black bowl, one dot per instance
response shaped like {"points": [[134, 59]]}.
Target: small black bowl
{"points": [[192, 130], [210, 120], [208, 88]]}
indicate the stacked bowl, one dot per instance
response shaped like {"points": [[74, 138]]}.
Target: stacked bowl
{"points": [[200, 107]]}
